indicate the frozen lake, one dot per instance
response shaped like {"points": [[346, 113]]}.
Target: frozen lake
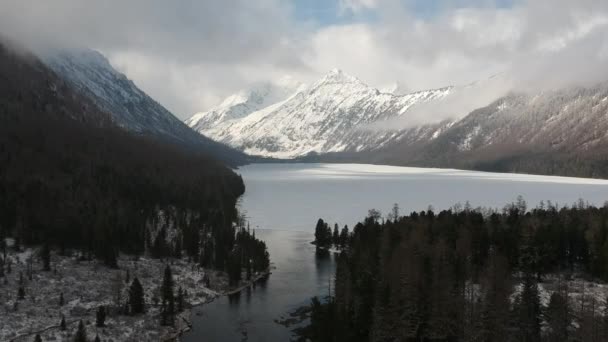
{"points": [[294, 196]]}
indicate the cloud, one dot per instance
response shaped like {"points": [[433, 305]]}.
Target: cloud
{"points": [[355, 6], [190, 54]]}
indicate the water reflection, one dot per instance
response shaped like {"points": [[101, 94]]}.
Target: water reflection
{"points": [[300, 274]]}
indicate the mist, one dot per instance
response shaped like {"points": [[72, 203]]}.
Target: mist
{"points": [[190, 55]]}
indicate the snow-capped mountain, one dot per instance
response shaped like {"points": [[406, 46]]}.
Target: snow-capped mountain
{"points": [[245, 102], [91, 74], [561, 132], [333, 114]]}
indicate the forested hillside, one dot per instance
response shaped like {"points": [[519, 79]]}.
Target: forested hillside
{"points": [[70, 179], [471, 275]]}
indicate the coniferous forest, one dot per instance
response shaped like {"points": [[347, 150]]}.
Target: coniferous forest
{"points": [[469, 275], [72, 180]]}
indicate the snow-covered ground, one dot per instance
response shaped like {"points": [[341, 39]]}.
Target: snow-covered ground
{"points": [[85, 286]]}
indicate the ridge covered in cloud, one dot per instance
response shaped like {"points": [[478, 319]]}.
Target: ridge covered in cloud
{"points": [[191, 54]]}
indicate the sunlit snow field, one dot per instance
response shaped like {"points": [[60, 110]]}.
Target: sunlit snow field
{"points": [[294, 196]]}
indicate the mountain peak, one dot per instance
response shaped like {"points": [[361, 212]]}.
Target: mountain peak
{"points": [[338, 76]]}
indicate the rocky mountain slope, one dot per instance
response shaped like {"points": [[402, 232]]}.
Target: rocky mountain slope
{"points": [[331, 115], [90, 73], [561, 132], [339, 118]]}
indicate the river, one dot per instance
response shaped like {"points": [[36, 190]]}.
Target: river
{"points": [[284, 201]]}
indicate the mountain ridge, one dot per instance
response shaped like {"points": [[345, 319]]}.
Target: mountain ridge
{"points": [[91, 74], [318, 118]]}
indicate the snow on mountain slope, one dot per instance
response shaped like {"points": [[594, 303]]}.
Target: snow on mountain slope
{"points": [[91, 74], [562, 131], [331, 115], [246, 102], [571, 119]]}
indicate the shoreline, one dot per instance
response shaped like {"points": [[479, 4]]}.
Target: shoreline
{"points": [[188, 312]]}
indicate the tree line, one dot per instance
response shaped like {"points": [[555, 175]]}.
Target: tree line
{"points": [[468, 275]]}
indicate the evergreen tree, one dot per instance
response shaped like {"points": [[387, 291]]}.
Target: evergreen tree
{"points": [[528, 310], [101, 316], [168, 299], [180, 300], [61, 300], [38, 338], [81, 333], [558, 317], [136, 297], [97, 339], [62, 325], [45, 255], [21, 293], [344, 237], [323, 234], [336, 236]]}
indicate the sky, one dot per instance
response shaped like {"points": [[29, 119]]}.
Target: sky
{"points": [[189, 54]]}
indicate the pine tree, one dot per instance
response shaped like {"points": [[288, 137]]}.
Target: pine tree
{"points": [[529, 310], [136, 297], [37, 338], [45, 255], [97, 339], [81, 333], [558, 317], [319, 231], [344, 237], [180, 300], [62, 325], [101, 316], [336, 236], [168, 299]]}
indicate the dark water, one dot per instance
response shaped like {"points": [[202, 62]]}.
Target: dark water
{"points": [[289, 198], [298, 276]]}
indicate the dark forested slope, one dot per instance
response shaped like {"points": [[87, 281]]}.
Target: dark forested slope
{"points": [[70, 178], [468, 275]]}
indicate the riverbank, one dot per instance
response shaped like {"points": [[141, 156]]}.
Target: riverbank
{"points": [[75, 288], [188, 321]]}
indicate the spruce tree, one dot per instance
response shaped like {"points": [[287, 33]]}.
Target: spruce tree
{"points": [[62, 325], [336, 236], [529, 310], [168, 304], [81, 333], [45, 255], [180, 300], [37, 338], [558, 317], [136, 297], [101, 316], [319, 232], [344, 237]]}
